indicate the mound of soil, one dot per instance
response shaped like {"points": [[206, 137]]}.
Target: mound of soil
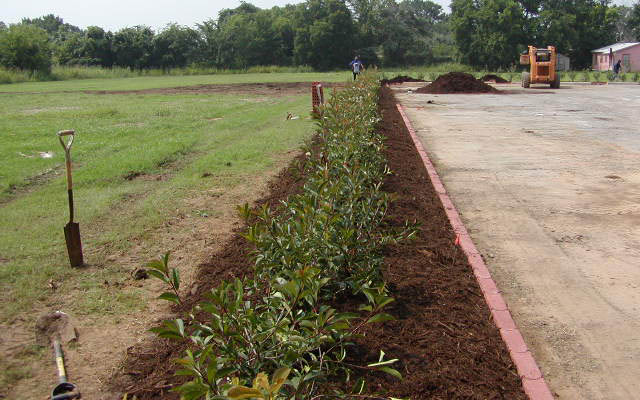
{"points": [[493, 78], [457, 82], [400, 79]]}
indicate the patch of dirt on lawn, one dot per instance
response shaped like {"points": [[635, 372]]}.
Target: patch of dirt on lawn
{"points": [[457, 82], [13, 192], [194, 239], [148, 369], [258, 89]]}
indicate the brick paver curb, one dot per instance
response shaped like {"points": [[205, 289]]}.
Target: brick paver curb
{"points": [[532, 380]]}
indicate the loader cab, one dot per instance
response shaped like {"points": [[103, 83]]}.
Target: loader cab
{"points": [[543, 67]]}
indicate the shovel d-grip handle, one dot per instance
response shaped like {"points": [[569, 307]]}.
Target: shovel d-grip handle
{"points": [[67, 153], [67, 156]]}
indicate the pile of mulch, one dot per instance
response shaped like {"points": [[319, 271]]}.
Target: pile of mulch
{"points": [[443, 334], [457, 82], [399, 79], [493, 78]]}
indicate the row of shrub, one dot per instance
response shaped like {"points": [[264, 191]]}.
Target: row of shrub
{"points": [[321, 245]]}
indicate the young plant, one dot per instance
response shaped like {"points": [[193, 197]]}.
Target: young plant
{"points": [[160, 269]]}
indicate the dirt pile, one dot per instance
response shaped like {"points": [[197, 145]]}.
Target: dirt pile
{"points": [[457, 82], [493, 78], [400, 79]]}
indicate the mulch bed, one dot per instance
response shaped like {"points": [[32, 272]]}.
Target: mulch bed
{"points": [[457, 82], [445, 339], [443, 334]]}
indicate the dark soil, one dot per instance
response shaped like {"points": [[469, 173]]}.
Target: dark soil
{"points": [[493, 78], [400, 79], [457, 82], [443, 334]]}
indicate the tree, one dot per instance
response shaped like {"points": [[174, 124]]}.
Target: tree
{"points": [[489, 33], [53, 24], [25, 47], [368, 18], [2, 26], [325, 36], [97, 47], [576, 27], [133, 47], [634, 21], [418, 22], [624, 30], [70, 52], [175, 46], [209, 44]]}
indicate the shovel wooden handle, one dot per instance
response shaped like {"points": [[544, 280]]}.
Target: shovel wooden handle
{"points": [[67, 154]]}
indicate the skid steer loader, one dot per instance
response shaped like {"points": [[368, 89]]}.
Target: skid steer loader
{"points": [[543, 67]]}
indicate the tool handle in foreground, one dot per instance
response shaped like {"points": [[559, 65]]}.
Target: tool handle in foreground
{"points": [[62, 374]]}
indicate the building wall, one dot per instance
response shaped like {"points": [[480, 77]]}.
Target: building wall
{"points": [[634, 58], [601, 61], [563, 63]]}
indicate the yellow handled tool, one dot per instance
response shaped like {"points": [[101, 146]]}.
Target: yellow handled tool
{"points": [[64, 390]]}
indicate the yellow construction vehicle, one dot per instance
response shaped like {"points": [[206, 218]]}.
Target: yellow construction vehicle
{"points": [[543, 67]]}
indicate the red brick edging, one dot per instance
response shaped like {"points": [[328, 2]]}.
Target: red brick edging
{"points": [[532, 380]]}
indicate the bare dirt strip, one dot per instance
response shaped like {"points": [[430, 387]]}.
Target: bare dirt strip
{"points": [[443, 333], [258, 89]]}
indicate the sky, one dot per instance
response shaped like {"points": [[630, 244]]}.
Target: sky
{"points": [[116, 14]]}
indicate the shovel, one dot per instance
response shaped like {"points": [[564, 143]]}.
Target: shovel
{"points": [[72, 229], [64, 390]]}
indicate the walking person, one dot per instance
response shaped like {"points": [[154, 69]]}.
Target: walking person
{"points": [[356, 67], [616, 69]]}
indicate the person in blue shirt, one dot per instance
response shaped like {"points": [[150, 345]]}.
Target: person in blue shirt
{"points": [[617, 68], [356, 67]]}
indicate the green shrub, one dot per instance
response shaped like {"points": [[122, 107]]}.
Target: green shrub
{"points": [[325, 242]]}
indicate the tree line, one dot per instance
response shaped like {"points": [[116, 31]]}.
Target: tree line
{"points": [[492, 32], [326, 34]]}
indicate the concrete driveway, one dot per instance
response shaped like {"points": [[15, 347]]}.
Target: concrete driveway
{"points": [[548, 183]]}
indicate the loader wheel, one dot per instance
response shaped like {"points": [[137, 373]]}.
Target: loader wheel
{"points": [[556, 82], [526, 80]]}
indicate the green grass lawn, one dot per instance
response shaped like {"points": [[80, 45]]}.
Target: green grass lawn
{"points": [[175, 137]]}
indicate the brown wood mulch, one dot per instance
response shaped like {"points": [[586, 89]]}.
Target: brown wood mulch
{"points": [[443, 334]]}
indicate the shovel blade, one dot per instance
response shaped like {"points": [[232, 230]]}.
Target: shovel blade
{"points": [[74, 245]]}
